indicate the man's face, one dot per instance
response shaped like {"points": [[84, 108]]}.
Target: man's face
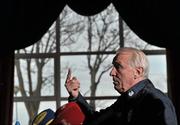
{"points": [[122, 73]]}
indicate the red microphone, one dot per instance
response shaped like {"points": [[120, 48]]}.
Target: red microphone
{"points": [[69, 113]]}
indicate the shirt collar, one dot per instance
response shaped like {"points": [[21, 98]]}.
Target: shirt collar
{"points": [[135, 89]]}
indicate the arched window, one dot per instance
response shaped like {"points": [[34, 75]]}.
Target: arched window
{"points": [[86, 44]]}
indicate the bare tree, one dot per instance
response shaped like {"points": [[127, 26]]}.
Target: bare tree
{"points": [[30, 71], [34, 77], [103, 36]]}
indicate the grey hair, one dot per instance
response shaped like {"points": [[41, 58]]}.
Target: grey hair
{"points": [[138, 59]]}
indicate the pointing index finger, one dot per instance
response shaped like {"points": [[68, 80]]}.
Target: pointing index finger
{"points": [[68, 75]]}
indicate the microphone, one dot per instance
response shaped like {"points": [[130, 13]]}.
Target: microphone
{"points": [[44, 118]]}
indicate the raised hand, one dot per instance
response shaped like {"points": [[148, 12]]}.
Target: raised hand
{"points": [[72, 84]]}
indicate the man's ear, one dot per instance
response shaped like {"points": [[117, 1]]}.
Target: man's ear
{"points": [[138, 72]]}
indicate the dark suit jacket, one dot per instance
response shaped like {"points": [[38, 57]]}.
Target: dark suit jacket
{"points": [[143, 104]]}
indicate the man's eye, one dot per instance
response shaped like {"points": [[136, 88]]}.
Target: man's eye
{"points": [[117, 65]]}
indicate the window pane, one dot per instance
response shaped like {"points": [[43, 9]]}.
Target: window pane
{"points": [[80, 69], [20, 113], [78, 65], [101, 30], [30, 74], [158, 72]]}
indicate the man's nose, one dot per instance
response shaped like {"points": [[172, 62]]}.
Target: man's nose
{"points": [[112, 73]]}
